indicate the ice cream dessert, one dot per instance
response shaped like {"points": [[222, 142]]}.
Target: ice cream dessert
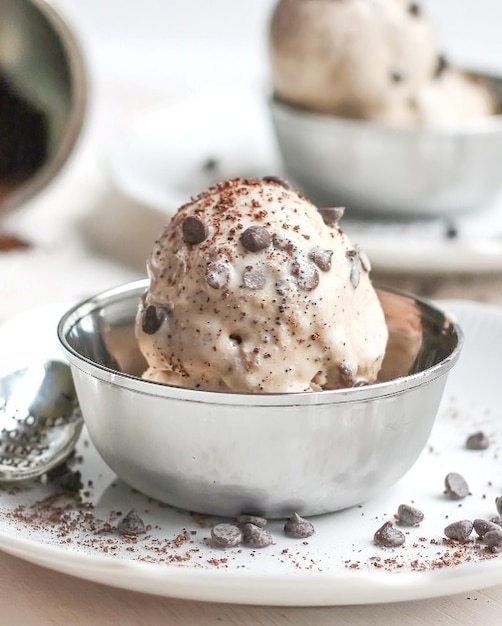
{"points": [[252, 289], [376, 60]]}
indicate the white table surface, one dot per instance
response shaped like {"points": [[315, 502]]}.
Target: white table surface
{"points": [[62, 265]]}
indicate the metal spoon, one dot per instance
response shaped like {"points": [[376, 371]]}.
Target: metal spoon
{"points": [[40, 420]]}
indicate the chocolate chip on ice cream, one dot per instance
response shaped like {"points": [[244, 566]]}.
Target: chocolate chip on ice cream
{"points": [[194, 230], [256, 238]]}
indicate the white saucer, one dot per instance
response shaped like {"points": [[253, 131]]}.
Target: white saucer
{"points": [[338, 565], [167, 156]]}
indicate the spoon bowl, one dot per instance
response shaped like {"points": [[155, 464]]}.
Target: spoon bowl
{"points": [[40, 420]]}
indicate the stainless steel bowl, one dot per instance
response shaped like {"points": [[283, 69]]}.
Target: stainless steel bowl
{"points": [[272, 454], [405, 172], [43, 97]]}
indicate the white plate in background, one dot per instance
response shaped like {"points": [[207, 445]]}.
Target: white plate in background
{"points": [[338, 565], [177, 150]]}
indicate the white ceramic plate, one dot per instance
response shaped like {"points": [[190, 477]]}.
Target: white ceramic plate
{"points": [[338, 565], [178, 149]]}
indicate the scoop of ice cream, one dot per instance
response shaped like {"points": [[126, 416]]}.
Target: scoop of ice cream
{"points": [[365, 59], [252, 289]]}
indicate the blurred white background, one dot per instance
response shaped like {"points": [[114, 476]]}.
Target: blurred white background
{"points": [[192, 44]]}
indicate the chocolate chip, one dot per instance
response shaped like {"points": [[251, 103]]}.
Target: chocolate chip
{"points": [[459, 531], [131, 524], [496, 520], [482, 526], [456, 486], [414, 9], [218, 274], [441, 66], [277, 180], [283, 243], [298, 527], [210, 165], [306, 275], [360, 383], [332, 215], [493, 539], [355, 267], [256, 520], [65, 478], [363, 258], [346, 375], [396, 76], [253, 277], [153, 318], [194, 230], [477, 441], [408, 515], [255, 238], [322, 258], [256, 537], [451, 231], [498, 504], [235, 339], [388, 537], [226, 535]]}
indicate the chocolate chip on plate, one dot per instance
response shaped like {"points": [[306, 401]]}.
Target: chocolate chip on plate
{"points": [[194, 230], [414, 9], [255, 238], [153, 318], [332, 215], [66, 479], [493, 539], [226, 535], [482, 526], [387, 536], [498, 504], [459, 531], [256, 520], [477, 441], [256, 537], [131, 524], [456, 486], [408, 515], [322, 258], [298, 527]]}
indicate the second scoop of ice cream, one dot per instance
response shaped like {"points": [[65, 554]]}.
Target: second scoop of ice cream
{"points": [[252, 289]]}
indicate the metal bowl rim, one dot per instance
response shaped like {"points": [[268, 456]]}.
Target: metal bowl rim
{"points": [[335, 396]]}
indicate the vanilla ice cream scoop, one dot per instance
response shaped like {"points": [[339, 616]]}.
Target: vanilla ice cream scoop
{"points": [[252, 289], [376, 60]]}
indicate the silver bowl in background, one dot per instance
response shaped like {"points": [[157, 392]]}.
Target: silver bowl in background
{"points": [[43, 97], [272, 454], [373, 169]]}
